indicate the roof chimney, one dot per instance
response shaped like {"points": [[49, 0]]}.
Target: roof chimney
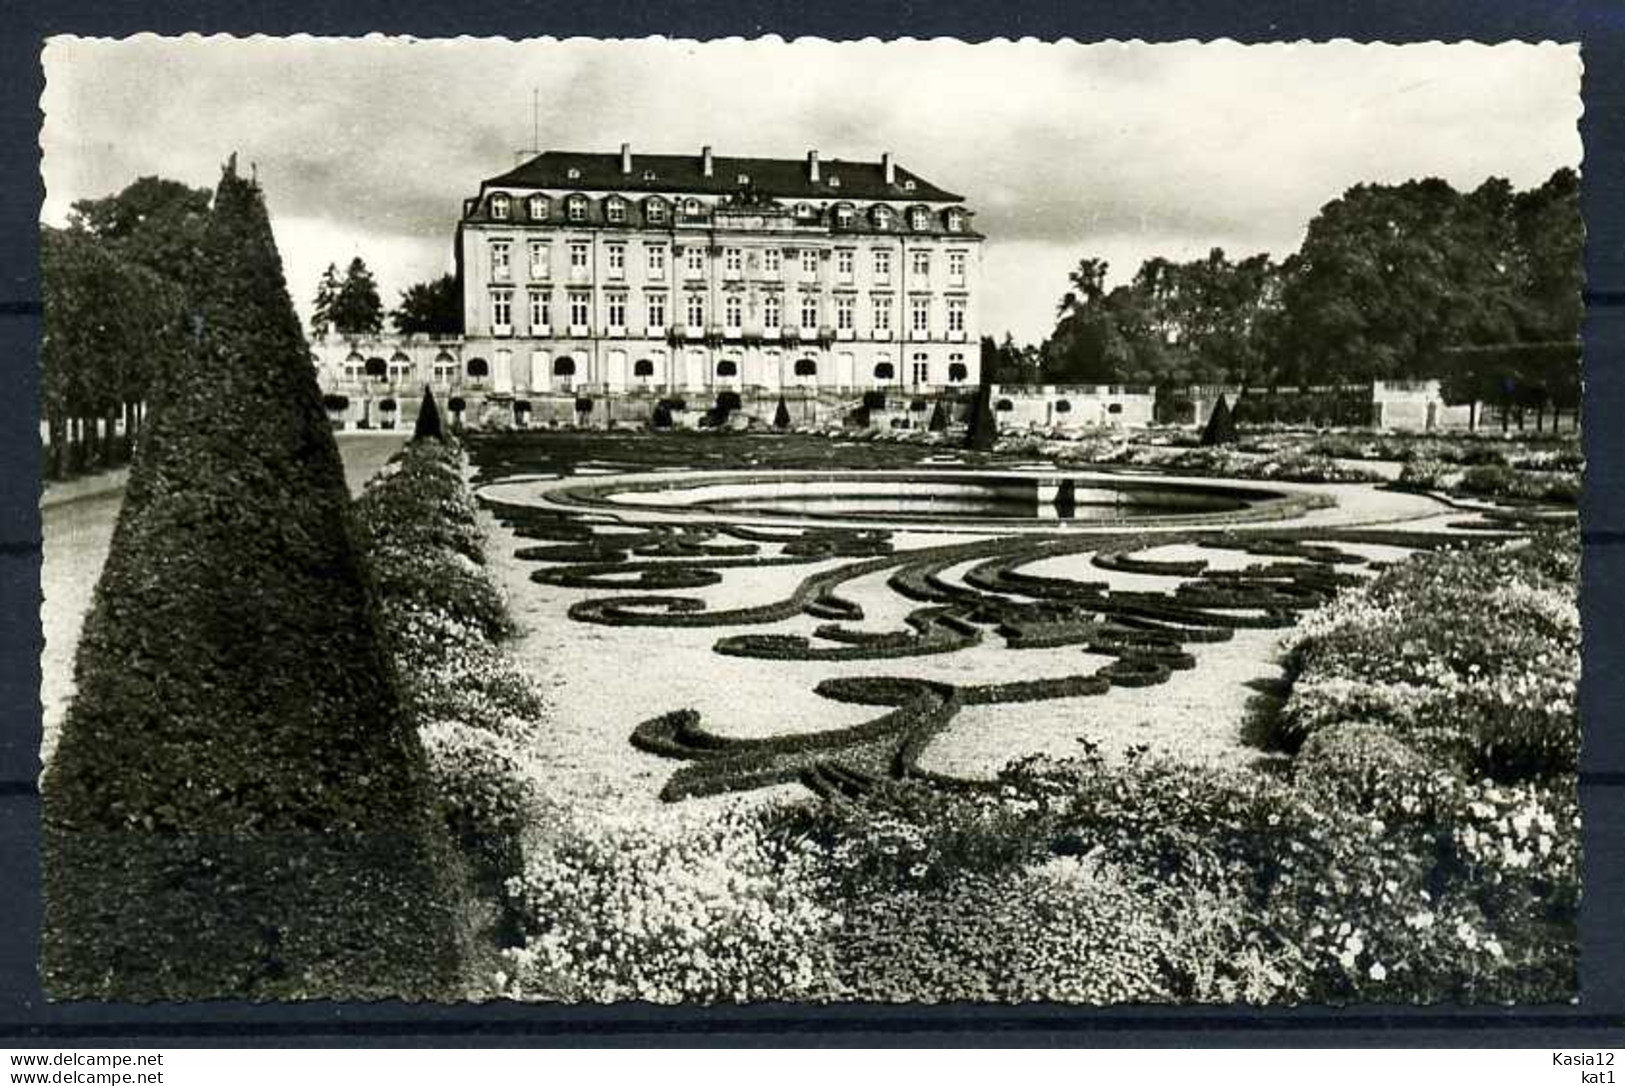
{"points": [[626, 158], [812, 165], [889, 167], [705, 160]]}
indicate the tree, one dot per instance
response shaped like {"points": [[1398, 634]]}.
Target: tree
{"points": [[237, 805], [356, 309], [154, 222], [327, 296], [434, 307], [110, 325]]}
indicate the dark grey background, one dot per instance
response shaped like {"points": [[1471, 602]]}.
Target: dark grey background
{"points": [[1597, 1020]]}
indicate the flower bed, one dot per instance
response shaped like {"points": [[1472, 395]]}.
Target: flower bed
{"points": [[443, 620], [1496, 695]]}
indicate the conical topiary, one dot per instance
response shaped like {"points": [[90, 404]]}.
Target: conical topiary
{"points": [[1220, 428], [939, 418], [236, 806], [781, 416], [428, 424], [983, 429]]}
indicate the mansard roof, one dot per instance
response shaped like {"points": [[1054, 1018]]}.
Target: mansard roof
{"points": [[785, 178]]}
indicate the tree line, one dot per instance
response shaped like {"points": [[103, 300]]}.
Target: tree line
{"points": [[119, 285], [1392, 282]]}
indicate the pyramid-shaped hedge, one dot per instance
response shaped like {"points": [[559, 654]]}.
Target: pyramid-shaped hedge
{"points": [[236, 806], [1221, 426]]}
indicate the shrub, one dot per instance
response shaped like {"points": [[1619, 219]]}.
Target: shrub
{"points": [[1359, 765], [1425, 474], [238, 806], [1499, 691]]}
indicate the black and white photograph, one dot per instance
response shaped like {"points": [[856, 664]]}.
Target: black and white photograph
{"points": [[658, 521]]}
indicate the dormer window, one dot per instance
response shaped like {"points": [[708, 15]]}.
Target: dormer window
{"points": [[908, 186], [742, 179], [615, 209], [956, 220], [538, 207], [917, 218], [499, 206], [843, 216], [834, 182], [691, 207], [576, 207], [803, 211], [655, 211], [883, 217], [573, 174], [648, 175]]}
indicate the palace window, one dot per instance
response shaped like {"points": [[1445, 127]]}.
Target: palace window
{"points": [[615, 209], [728, 367], [956, 266], [920, 262], [654, 307], [499, 206], [501, 261], [921, 369], [884, 371], [616, 252], [882, 264], [772, 313], [655, 257], [538, 208], [809, 263], [733, 261], [956, 220], [578, 255], [883, 218], [956, 314], [843, 313], [882, 314], [502, 308], [918, 218], [694, 258], [696, 310], [809, 311], [540, 315], [655, 211], [540, 258], [733, 311], [920, 314], [772, 261], [956, 368], [580, 308], [843, 263], [576, 208], [615, 302], [843, 216]]}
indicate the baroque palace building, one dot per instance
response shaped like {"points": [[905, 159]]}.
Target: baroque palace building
{"points": [[697, 274]]}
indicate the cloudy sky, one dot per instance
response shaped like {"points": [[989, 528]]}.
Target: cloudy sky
{"points": [[366, 147]]}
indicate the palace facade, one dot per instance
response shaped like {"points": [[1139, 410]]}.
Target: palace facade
{"points": [[596, 274]]}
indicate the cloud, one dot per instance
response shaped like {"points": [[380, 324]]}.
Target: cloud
{"points": [[1121, 150]]}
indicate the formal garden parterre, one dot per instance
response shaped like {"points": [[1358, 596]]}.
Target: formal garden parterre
{"points": [[1408, 830]]}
